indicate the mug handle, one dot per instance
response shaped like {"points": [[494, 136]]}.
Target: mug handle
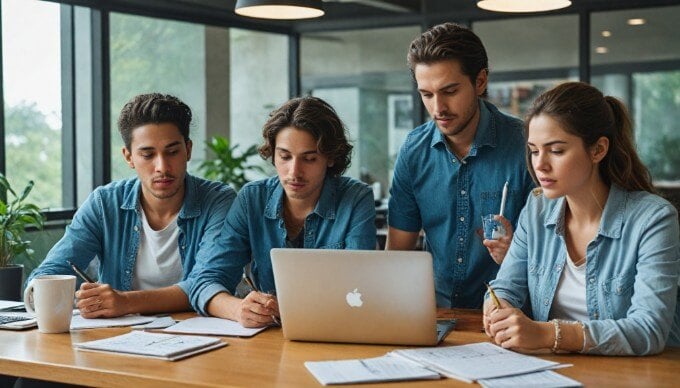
{"points": [[28, 298]]}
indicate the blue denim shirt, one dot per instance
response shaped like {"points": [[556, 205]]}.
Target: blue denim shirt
{"points": [[107, 226], [434, 190], [632, 270], [344, 218]]}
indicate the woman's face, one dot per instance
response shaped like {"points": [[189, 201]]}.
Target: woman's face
{"points": [[560, 160]]}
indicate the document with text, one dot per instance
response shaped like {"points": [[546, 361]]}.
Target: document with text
{"points": [[385, 368], [544, 379], [155, 345], [475, 361], [78, 322]]}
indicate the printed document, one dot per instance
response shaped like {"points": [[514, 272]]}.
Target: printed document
{"points": [[545, 379], [155, 345], [212, 326], [385, 368], [475, 361]]}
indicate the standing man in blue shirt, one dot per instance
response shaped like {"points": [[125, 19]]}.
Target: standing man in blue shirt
{"points": [[308, 205], [148, 230], [451, 170]]}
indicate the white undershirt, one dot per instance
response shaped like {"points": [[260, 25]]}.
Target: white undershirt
{"points": [[569, 302], [158, 261]]}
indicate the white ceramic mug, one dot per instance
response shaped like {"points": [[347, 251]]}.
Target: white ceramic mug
{"points": [[50, 298]]}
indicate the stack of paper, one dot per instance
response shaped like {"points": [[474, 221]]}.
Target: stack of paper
{"points": [[385, 368], [78, 322], [475, 361], [490, 365], [155, 345]]}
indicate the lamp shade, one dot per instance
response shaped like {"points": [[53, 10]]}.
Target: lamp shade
{"points": [[279, 9], [522, 5]]}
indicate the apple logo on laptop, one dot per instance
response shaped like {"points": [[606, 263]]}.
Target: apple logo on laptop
{"points": [[354, 298]]}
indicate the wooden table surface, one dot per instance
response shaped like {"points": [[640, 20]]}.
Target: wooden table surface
{"points": [[268, 360]]}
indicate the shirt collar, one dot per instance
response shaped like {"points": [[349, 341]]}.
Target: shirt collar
{"points": [[191, 206], [486, 130], [611, 222], [325, 207]]}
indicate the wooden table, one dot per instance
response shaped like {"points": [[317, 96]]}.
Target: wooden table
{"points": [[268, 360]]}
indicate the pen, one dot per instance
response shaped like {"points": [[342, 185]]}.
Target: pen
{"points": [[493, 296], [504, 198], [80, 273], [252, 285]]}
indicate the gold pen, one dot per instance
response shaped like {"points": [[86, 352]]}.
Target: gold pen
{"points": [[493, 296]]}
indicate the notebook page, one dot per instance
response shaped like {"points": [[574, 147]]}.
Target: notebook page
{"points": [[213, 326], [385, 368]]}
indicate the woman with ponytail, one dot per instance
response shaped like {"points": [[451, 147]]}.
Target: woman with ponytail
{"points": [[596, 254]]}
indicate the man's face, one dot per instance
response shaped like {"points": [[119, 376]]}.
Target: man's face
{"points": [[300, 165], [159, 154], [449, 95]]}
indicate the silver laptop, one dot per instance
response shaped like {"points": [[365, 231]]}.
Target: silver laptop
{"points": [[376, 297]]}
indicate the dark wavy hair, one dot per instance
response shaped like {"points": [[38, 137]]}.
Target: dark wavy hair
{"points": [[584, 111], [153, 108], [449, 41], [318, 118]]}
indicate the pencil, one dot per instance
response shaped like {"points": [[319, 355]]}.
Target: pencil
{"points": [[493, 296]]}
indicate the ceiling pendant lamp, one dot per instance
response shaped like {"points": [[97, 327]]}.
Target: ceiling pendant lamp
{"points": [[279, 9], [522, 5]]}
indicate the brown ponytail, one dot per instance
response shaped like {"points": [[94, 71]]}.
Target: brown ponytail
{"points": [[584, 112]]}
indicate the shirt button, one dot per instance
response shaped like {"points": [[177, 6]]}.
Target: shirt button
{"points": [[595, 315], [136, 228], [545, 301], [462, 219], [460, 259], [462, 192], [460, 239], [455, 295], [453, 160], [592, 280], [127, 272]]}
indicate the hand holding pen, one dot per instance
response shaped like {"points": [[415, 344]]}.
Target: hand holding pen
{"points": [[95, 300], [267, 300], [490, 305]]}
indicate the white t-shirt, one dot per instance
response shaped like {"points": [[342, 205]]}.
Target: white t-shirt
{"points": [[569, 302], [158, 261]]}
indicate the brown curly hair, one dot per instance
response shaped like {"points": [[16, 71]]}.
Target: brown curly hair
{"points": [[318, 118]]}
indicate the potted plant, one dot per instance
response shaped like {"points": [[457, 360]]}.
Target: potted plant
{"points": [[15, 216], [226, 167]]}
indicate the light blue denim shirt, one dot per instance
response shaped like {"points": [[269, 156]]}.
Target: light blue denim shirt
{"points": [[107, 226], [632, 270], [434, 190], [344, 218]]}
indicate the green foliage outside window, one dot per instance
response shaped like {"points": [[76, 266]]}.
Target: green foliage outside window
{"points": [[226, 166]]}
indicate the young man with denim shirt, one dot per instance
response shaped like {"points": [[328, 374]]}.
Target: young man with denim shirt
{"points": [[308, 205], [146, 231], [451, 171]]}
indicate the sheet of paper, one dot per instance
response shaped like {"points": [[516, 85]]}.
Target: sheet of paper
{"points": [[165, 346], [78, 322], [385, 368], [157, 323], [544, 379], [10, 305], [475, 361], [212, 326]]}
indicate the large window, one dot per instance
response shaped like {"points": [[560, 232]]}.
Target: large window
{"points": [[364, 75], [636, 57], [230, 78], [528, 56], [31, 64]]}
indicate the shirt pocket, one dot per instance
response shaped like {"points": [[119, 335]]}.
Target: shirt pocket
{"points": [[618, 292], [336, 245]]}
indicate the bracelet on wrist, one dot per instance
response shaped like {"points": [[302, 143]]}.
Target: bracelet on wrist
{"points": [[558, 335]]}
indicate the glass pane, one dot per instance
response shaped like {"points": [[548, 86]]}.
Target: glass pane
{"points": [[638, 61], [528, 56], [363, 74], [153, 55], [255, 93], [31, 63]]}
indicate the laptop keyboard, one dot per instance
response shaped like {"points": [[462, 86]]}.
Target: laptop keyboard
{"points": [[11, 318]]}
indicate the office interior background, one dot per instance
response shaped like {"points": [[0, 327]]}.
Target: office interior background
{"points": [[69, 66]]}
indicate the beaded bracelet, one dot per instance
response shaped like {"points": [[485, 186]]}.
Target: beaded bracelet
{"points": [[558, 336]]}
